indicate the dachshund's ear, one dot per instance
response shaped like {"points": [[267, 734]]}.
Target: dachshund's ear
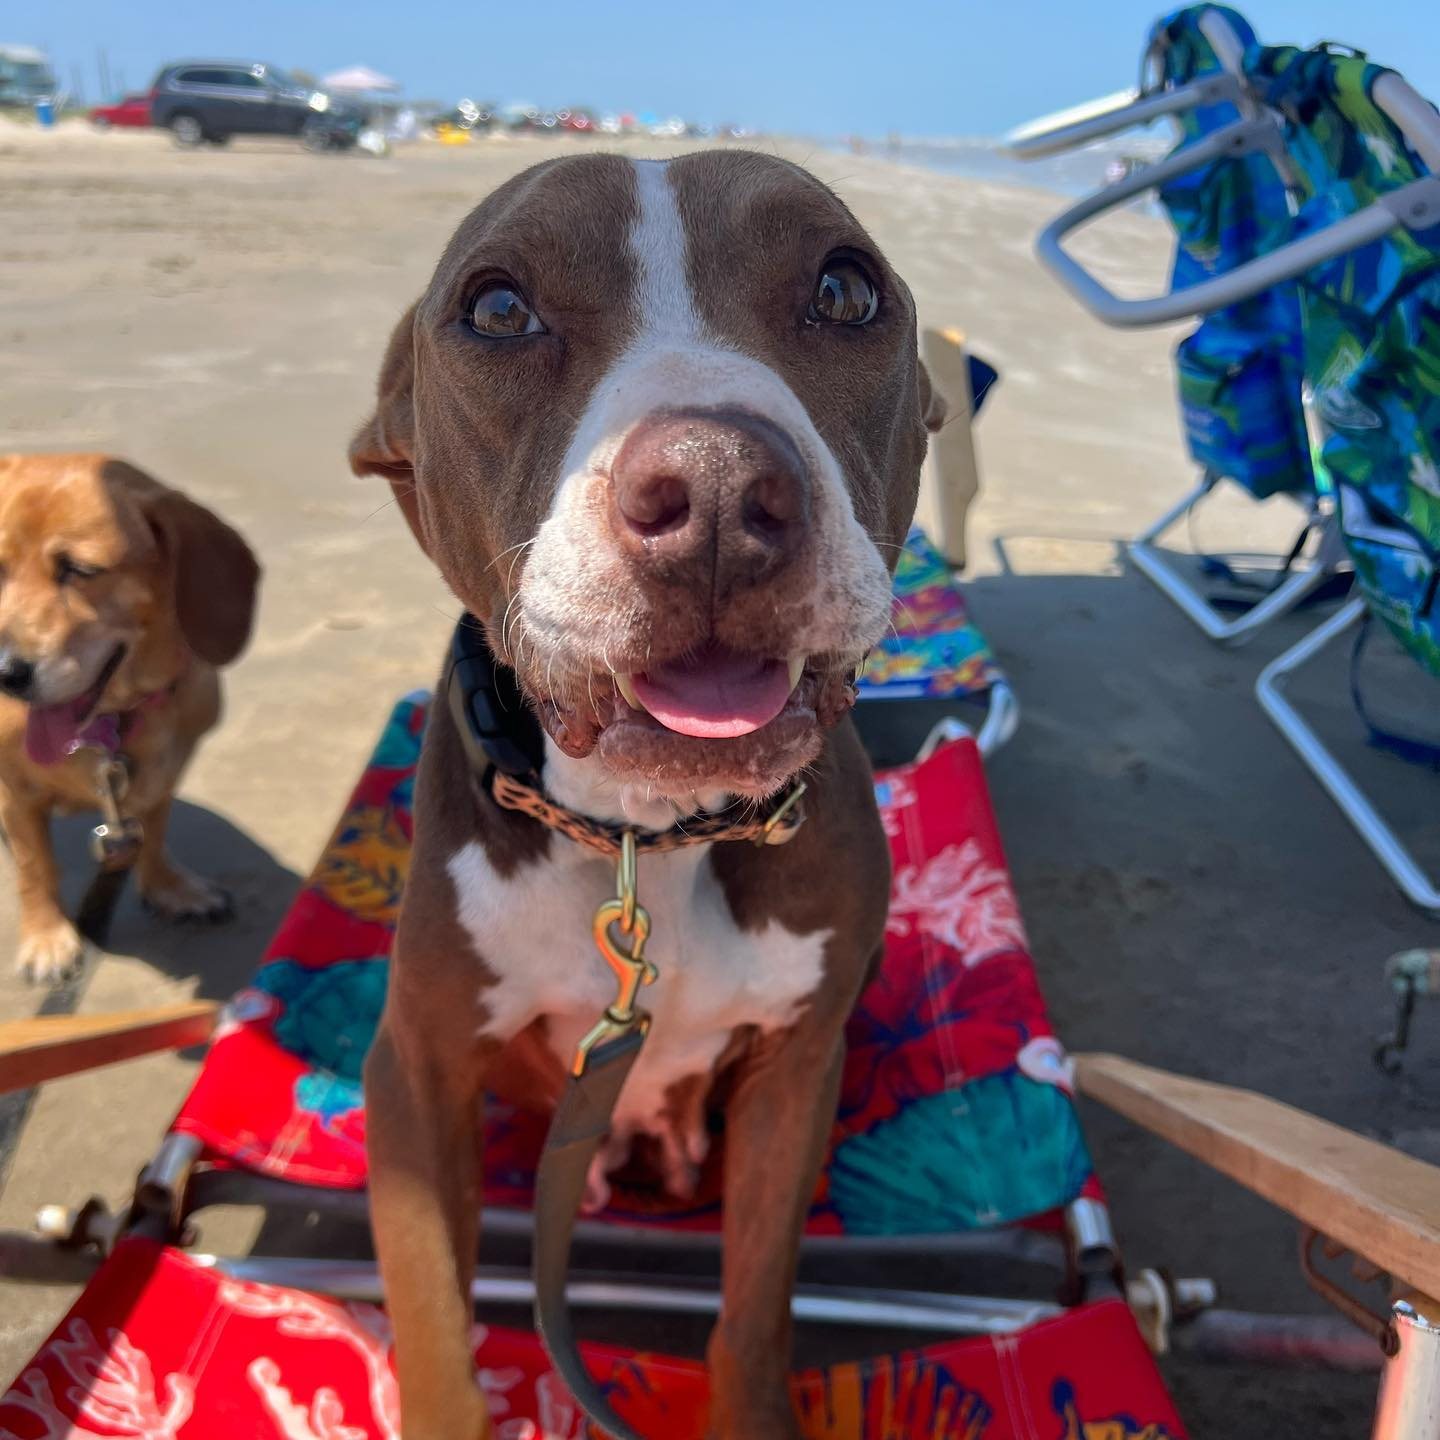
{"points": [[932, 402], [385, 443], [214, 576]]}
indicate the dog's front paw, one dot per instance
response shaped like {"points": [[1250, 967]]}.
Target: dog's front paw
{"points": [[49, 954], [178, 895]]}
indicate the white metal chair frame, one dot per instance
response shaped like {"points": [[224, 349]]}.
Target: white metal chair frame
{"points": [[1385, 844], [1255, 130]]}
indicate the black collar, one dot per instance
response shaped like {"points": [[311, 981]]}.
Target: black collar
{"points": [[506, 750], [498, 729]]}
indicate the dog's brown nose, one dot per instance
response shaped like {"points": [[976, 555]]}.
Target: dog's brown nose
{"points": [[720, 492]]}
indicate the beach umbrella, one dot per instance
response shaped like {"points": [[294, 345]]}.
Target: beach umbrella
{"points": [[359, 77]]}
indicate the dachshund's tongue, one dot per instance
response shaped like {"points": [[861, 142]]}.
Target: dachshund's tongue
{"points": [[718, 695], [54, 731]]}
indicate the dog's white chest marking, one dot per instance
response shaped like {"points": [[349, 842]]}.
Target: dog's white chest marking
{"points": [[534, 931]]}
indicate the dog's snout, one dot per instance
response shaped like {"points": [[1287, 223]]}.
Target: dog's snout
{"points": [[17, 674], [700, 489]]}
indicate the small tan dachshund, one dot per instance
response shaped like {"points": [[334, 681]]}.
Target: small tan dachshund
{"points": [[119, 600]]}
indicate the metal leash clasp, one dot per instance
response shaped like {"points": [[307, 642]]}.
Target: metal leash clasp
{"points": [[627, 916], [115, 841], [784, 820]]}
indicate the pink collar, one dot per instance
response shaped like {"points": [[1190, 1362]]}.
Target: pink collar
{"points": [[109, 731]]}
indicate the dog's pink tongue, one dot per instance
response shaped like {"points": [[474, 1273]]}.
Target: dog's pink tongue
{"points": [[717, 695], [52, 730]]}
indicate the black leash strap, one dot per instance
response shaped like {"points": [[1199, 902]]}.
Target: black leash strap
{"points": [[97, 906], [581, 1121], [115, 843]]}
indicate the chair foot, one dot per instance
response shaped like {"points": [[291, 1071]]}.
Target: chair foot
{"points": [[1410, 1385], [1384, 844], [1147, 557]]}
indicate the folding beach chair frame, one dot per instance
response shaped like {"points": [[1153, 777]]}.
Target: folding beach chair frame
{"points": [[1002, 718], [1083, 1262], [1415, 206], [1253, 132], [1366, 1198]]}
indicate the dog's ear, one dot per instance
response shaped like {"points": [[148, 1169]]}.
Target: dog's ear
{"points": [[385, 443], [932, 402], [215, 574]]}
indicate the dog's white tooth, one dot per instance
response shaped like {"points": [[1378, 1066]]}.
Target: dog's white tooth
{"points": [[797, 668], [627, 692]]}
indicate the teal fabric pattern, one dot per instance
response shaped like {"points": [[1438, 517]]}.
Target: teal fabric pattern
{"points": [[1240, 371], [930, 1168], [1372, 335], [330, 1012]]}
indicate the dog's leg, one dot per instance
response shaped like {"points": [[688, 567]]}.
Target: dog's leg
{"points": [[776, 1125], [422, 1122], [167, 887], [50, 946]]}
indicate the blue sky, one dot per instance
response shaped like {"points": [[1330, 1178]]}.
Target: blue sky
{"points": [[922, 67]]}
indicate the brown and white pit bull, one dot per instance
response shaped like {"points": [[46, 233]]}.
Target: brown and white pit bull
{"points": [[660, 425]]}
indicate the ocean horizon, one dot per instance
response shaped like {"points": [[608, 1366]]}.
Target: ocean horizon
{"points": [[982, 158]]}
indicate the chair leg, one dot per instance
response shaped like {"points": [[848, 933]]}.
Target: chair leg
{"points": [[1001, 719], [1409, 1406], [1151, 562], [1384, 844], [1002, 716]]}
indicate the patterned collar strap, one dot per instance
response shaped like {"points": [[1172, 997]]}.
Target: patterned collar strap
{"points": [[503, 745], [735, 822]]}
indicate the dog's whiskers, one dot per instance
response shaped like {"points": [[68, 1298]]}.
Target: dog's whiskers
{"points": [[521, 547], [393, 500], [505, 622]]}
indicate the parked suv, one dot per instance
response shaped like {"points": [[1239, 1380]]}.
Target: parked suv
{"points": [[211, 100]]}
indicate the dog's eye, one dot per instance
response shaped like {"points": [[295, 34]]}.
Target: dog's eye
{"points": [[844, 295], [67, 569], [502, 312]]}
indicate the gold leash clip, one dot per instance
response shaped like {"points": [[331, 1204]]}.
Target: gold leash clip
{"points": [[631, 919], [115, 841], [778, 826]]}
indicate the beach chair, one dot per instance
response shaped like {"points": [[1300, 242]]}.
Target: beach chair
{"points": [[1224, 188], [956, 1143], [1362, 150], [934, 658]]}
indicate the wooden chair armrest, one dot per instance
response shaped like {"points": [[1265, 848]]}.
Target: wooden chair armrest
{"points": [[1376, 1201], [49, 1046]]}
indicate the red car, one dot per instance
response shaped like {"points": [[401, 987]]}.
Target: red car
{"points": [[132, 110]]}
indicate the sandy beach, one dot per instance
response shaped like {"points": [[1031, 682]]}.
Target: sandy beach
{"points": [[1192, 898]]}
